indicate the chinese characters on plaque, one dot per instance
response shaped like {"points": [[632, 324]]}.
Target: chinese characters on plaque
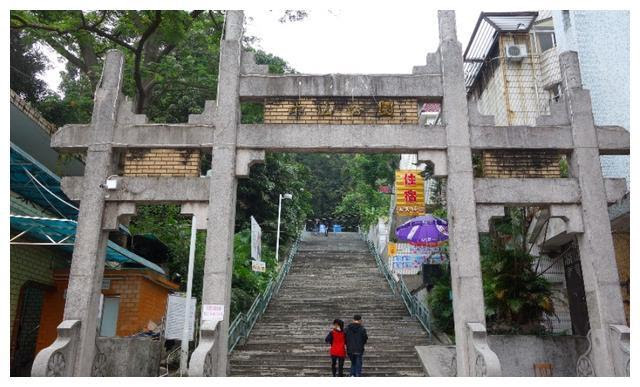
{"points": [[409, 193]]}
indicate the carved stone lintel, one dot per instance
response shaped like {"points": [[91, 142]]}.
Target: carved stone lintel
{"points": [[246, 158], [484, 360], [56, 359], [438, 158], [620, 337], [199, 209], [571, 214], [203, 359], [485, 213], [113, 211]]}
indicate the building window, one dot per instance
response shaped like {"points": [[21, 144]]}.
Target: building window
{"points": [[546, 38]]}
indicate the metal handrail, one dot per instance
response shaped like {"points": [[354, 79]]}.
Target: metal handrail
{"points": [[244, 322], [416, 308]]}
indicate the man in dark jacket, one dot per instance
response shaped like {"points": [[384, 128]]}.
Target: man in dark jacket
{"points": [[356, 337]]}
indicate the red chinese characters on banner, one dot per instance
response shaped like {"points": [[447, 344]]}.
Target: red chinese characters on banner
{"points": [[410, 196], [409, 179], [409, 193]]}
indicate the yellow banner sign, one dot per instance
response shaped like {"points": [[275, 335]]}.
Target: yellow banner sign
{"points": [[391, 249], [409, 193]]}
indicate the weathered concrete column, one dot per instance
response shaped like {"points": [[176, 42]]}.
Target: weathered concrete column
{"points": [[210, 358], [597, 256], [473, 356], [87, 265]]}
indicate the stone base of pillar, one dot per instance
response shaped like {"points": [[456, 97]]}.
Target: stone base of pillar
{"points": [[204, 358], [57, 359]]}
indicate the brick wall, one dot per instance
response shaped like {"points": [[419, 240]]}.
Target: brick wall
{"points": [[162, 162], [143, 298], [521, 163], [342, 111]]}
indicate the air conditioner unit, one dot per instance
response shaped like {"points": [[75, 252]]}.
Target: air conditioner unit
{"points": [[516, 52]]}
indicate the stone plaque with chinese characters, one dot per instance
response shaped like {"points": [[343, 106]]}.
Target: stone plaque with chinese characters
{"points": [[409, 193]]}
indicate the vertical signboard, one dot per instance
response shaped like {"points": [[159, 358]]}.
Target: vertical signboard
{"points": [[256, 240], [175, 316], [409, 193]]}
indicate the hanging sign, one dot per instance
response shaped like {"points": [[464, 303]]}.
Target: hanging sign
{"points": [[175, 316], [409, 193]]}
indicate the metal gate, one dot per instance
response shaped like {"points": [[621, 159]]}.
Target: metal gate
{"points": [[575, 290]]}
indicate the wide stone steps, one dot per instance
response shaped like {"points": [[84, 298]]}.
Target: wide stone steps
{"points": [[332, 277]]}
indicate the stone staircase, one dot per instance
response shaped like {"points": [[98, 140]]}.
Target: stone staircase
{"points": [[331, 277]]}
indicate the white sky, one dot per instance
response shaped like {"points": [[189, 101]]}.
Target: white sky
{"points": [[362, 40]]}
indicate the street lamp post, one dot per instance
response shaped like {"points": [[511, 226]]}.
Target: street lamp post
{"points": [[285, 196]]}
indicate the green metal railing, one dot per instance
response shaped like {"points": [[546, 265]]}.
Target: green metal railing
{"points": [[244, 322], [414, 306]]}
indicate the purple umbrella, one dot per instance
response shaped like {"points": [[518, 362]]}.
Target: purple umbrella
{"points": [[426, 230]]}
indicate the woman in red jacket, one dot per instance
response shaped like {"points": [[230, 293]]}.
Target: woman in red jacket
{"points": [[337, 351]]}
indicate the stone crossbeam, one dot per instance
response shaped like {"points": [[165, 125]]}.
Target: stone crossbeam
{"points": [[612, 140], [257, 86], [538, 192], [147, 189]]}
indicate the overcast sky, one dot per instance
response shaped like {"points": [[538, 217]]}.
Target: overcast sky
{"points": [[364, 40]]}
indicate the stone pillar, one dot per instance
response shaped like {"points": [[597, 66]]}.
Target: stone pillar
{"points": [[597, 256], [210, 358], [473, 357], [87, 264]]}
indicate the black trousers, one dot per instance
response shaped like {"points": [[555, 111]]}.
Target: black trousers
{"points": [[340, 361]]}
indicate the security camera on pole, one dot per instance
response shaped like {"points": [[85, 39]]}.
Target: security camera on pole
{"points": [[285, 196]]}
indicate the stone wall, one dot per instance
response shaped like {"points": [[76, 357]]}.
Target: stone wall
{"points": [[342, 111], [517, 354], [129, 356], [162, 162], [521, 163], [561, 351]]}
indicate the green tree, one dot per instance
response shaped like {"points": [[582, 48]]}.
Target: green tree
{"points": [[27, 63], [150, 39], [363, 174]]}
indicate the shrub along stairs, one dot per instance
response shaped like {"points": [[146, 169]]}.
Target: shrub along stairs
{"points": [[331, 277]]}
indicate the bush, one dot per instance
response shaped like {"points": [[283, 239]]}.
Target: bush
{"points": [[440, 304], [515, 295]]}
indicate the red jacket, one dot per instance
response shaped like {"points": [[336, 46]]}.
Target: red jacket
{"points": [[337, 341]]}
